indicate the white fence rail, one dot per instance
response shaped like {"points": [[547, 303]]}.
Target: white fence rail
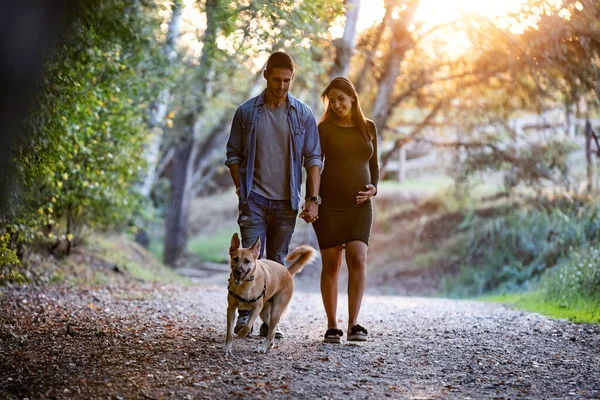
{"points": [[551, 124]]}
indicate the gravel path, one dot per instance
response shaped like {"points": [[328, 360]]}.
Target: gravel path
{"points": [[155, 342]]}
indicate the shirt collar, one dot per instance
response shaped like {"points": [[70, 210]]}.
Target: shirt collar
{"points": [[291, 100]]}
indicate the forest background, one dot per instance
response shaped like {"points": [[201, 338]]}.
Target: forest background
{"points": [[126, 134]]}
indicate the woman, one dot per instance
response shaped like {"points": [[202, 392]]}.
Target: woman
{"points": [[349, 180]]}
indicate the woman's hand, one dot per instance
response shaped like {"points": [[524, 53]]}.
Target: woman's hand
{"points": [[310, 212], [367, 194]]}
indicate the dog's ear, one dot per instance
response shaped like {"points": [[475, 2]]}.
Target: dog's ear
{"points": [[235, 243], [255, 249]]}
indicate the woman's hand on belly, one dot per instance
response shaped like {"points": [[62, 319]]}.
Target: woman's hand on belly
{"points": [[367, 194]]}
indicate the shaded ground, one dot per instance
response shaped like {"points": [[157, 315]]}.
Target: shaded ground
{"points": [[141, 341]]}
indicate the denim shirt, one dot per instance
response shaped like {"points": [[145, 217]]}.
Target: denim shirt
{"points": [[305, 147]]}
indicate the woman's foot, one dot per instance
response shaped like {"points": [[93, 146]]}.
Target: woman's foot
{"points": [[333, 335], [357, 334]]}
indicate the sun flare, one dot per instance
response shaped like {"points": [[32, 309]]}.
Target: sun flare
{"points": [[436, 12]]}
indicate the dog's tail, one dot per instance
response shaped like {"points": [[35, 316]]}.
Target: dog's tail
{"points": [[304, 255]]}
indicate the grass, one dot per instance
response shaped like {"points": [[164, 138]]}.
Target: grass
{"points": [[581, 310], [157, 248], [134, 259], [212, 248], [426, 184]]}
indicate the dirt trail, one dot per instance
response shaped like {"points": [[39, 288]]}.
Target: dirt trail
{"points": [[155, 342]]}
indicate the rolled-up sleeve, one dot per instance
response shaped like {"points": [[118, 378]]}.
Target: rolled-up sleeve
{"points": [[312, 144], [235, 144]]}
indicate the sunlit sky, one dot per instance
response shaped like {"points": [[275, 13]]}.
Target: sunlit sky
{"points": [[429, 12], [435, 12]]}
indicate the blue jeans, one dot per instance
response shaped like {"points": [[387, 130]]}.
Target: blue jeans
{"points": [[273, 220]]}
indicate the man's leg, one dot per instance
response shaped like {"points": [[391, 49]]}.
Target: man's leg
{"points": [[252, 221], [281, 221], [253, 224]]}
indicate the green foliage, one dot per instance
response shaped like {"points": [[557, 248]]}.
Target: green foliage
{"points": [[9, 262], [213, 248], [576, 277], [85, 136], [7, 256], [512, 251]]}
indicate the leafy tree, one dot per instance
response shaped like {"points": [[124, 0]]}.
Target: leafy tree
{"points": [[89, 123]]}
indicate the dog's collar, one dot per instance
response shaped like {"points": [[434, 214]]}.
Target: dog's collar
{"points": [[240, 298]]}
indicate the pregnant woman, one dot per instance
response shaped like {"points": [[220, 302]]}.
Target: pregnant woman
{"points": [[348, 181]]}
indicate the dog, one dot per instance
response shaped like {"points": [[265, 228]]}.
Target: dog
{"points": [[263, 286]]}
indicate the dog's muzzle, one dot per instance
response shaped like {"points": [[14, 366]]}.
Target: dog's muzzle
{"points": [[239, 278]]}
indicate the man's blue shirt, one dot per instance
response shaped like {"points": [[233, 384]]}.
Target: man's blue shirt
{"points": [[305, 147]]}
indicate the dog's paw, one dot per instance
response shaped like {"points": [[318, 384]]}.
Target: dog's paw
{"points": [[228, 352], [244, 332], [263, 348]]}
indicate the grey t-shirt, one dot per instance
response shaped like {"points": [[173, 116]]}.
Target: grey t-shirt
{"points": [[272, 166]]}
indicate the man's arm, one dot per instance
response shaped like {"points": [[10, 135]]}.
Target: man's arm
{"points": [[235, 144], [313, 164], [235, 154], [234, 170], [310, 211], [313, 181]]}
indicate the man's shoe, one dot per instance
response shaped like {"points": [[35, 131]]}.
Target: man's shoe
{"points": [[264, 330], [242, 320]]}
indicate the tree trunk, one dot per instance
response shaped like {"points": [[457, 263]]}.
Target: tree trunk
{"points": [[400, 44], [588, 155], [344, 47], [158, 109], [187, 148], [176, 221]]}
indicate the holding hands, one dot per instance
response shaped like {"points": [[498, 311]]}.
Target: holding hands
{"points": [[367, 194], [310, 212]]}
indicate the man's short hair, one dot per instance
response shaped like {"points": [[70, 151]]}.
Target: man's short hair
{"points": [[280, 59]]}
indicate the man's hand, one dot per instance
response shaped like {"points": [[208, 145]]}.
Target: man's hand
{"points": [[310, 212], [367, 194]]}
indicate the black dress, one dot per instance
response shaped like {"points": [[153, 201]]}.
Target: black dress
{"points": [[350, 163]]}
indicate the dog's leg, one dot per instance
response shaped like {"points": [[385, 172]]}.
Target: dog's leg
{"points": [[278, 306], [229, 337], [246, 329], [265, 313]]}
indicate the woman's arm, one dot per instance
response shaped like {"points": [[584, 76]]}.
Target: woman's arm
{"points": [[374, 161]]}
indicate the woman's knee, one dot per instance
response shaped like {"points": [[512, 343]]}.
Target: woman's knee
{"points": [[356, 261], [331, 268]]}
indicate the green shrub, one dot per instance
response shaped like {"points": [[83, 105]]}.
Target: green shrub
{"points": [[577, 277], [510, 252], [83, 153]]}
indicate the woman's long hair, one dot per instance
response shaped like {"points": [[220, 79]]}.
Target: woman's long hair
{"points": [[358, 118]]}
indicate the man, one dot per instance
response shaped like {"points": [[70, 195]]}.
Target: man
{"points": [[272, 136]]}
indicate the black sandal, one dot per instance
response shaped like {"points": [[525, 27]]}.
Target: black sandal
{"points": [[333, 335], [357, 334]]}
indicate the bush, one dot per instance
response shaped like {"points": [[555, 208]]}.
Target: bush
{"points": [[85, 136], [577, 277], [510, 252]]}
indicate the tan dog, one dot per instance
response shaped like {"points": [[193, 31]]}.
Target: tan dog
{"points": [[262, 286]]}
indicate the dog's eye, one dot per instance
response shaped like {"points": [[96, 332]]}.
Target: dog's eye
{"points": [[236, 259], [246, 261]]}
